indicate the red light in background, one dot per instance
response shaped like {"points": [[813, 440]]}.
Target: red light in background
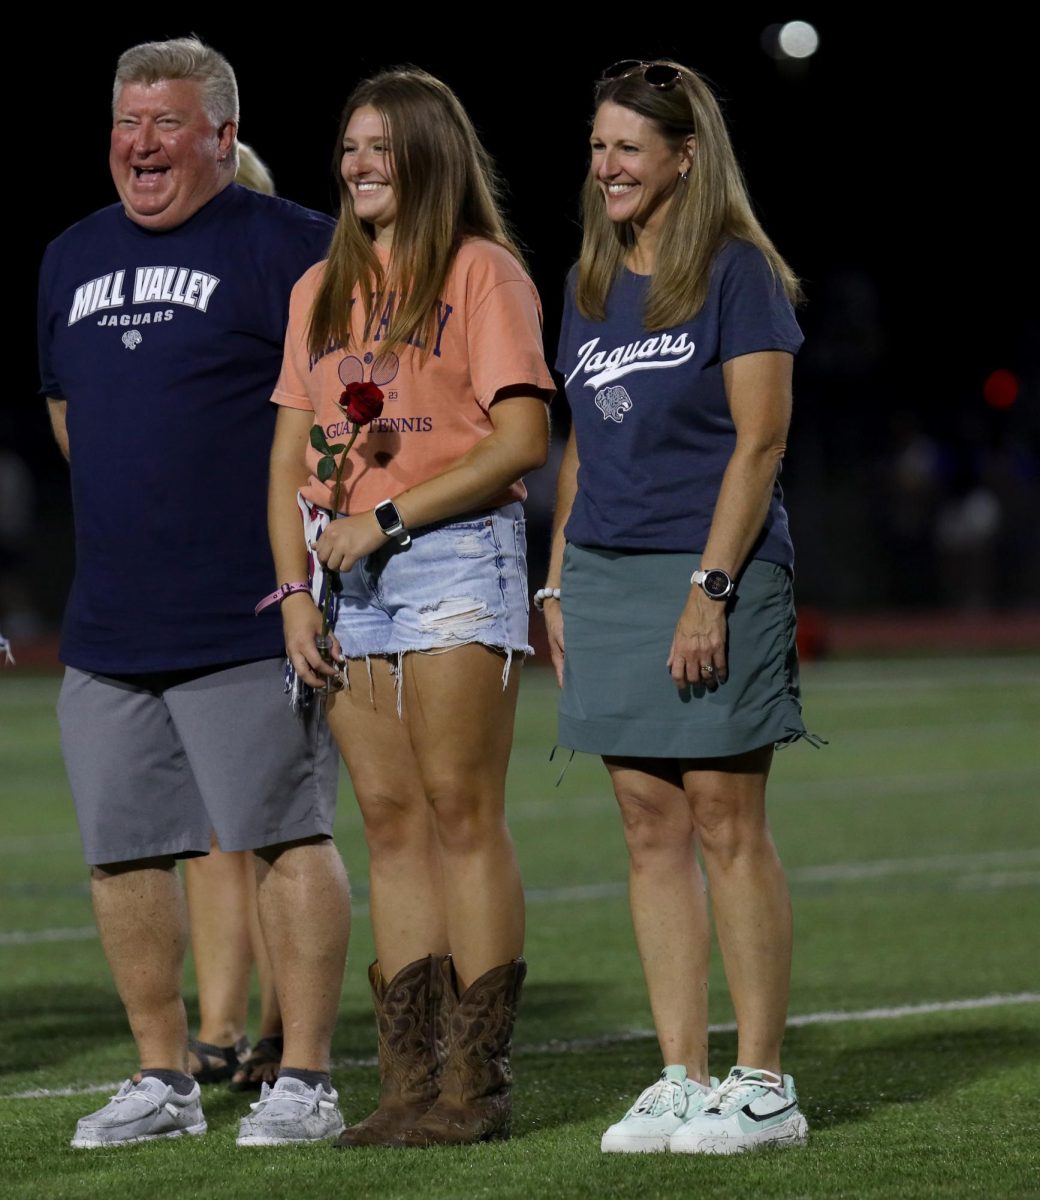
{"points": [[1001, 389]]}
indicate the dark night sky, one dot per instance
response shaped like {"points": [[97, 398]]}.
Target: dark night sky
{"points": [[898, 148], [897, 153]]}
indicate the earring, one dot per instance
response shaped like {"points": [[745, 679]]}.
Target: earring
{"points": [[684, 175]]}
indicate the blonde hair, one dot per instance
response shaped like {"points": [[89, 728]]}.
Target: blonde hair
{"points": [[446, 190], [710, 208], [253, 171]]}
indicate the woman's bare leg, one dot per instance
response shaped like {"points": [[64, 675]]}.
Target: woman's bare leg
{"points": [[406, 900], [220, 900], [749, 896], [669, 910], [460, 721]]}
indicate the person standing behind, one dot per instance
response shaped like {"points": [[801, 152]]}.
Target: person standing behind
{"points": [[668, 601], [226, 939], [160, 324], [423, 295]]}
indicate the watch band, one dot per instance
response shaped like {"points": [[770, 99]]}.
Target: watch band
{"points": [[721, 586]]}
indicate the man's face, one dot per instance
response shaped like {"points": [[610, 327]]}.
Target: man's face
{"points": [[166, 155]]}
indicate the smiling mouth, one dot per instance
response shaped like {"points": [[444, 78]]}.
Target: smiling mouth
{"points": [[369, 188], [142, 172]]}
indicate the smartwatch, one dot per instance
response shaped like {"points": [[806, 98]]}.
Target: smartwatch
{"points": [[390, 522], [715, 583]]}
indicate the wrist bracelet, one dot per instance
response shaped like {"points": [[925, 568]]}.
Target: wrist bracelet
{"points": [[277, 596], [544, 594]]}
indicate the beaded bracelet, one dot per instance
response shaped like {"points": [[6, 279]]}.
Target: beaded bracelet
{"points": [[544, 594], [279, 594]]}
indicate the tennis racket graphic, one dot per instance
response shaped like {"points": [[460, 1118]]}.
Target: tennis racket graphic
{"points": [[381, 370]]}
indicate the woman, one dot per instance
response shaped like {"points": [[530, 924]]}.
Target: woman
{"points": [[226, 941], [677, 347], [424, 295]]}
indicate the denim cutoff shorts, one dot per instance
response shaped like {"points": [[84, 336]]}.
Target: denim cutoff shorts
{"points": [[458, 582]]}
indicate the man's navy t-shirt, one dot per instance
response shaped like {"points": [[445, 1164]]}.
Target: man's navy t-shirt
{"points": [[166, 347]]}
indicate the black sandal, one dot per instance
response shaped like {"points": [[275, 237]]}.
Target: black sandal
{"points": [[218, 1062], [267, 1052]]}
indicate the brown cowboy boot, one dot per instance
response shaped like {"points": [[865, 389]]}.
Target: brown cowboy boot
{"points": [[407, 1011], [475, 1102]]}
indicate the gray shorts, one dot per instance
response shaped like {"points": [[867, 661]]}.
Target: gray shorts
{"points": [[156, 762]]}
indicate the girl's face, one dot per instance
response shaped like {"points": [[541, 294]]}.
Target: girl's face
{"points": [[367, 168], [635, 167]]}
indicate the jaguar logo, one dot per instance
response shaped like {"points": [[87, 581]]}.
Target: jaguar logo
{"points": [[132, 339], [613, 403]]}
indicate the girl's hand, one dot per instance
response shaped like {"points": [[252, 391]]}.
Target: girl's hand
{"points": [[301, 621], [349, 539]]}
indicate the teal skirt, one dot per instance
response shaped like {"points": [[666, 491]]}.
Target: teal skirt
{"points": [[619, 615]]}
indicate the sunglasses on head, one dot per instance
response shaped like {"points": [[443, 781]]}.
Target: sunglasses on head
{"points": [[657, 74]]}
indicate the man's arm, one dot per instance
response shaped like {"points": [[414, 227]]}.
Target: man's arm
{"points": [[56, 412]]}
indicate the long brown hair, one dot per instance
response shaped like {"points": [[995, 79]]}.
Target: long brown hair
{"points": [[711, 207], [446, 190]]}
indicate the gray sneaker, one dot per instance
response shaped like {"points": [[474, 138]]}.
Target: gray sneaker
{"points": [[291, 1112], [139, 1112]]}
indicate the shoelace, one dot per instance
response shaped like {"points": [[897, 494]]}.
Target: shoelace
{"points": [[661, 1096], [131, 1091], [731, 1092], [311, 1101]]}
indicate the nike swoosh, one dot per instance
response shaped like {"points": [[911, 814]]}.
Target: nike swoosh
{"points": [[746, 1110]]}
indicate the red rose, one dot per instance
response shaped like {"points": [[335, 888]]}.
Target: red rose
{"points": [[362, 402]]}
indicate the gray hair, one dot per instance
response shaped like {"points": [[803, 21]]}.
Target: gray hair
{"points": [[182, 58]]}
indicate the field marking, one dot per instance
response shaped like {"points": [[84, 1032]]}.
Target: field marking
{"points": [[31, 937], [883, 867], [558, 803], [34, 843], [833, 788], [604, 1041], [977, 873]]}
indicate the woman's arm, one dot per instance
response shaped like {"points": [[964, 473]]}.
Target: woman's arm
{"points": [[301, 617], [566, 489], [758, 388], [518, 443]]}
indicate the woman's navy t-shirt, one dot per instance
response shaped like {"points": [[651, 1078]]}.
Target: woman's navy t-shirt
{"points": [[652, 422]]}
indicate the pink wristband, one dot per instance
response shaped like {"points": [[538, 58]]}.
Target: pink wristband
{"points": [[276, 597]]}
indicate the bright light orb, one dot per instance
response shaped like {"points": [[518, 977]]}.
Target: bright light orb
{"points": [[798, 39]]}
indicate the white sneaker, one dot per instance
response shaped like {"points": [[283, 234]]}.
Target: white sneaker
{"points": [[751, 1108], [140, 1112], [291, 1112], [659, 1111]]}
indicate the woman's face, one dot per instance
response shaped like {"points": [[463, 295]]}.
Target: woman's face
{"points": [[636, 169], [367, 168]]}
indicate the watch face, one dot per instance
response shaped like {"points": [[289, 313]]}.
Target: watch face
{"points": [[387, 516], [717, 584]]}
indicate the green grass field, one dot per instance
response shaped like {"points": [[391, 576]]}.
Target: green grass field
{"points": [[912, 843]]}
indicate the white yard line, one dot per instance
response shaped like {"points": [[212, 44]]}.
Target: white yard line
{"points": [[976, 872], [558, 805], [580, 1045], [32, 937]]}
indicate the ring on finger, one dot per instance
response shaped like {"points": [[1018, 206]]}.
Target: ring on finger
{"points": [[707, 669]]}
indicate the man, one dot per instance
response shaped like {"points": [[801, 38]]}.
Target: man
{"points": [[161, 326]]}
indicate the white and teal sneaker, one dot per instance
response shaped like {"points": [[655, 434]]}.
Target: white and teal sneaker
{"points": [[750, 1108], [659, 1111]]}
